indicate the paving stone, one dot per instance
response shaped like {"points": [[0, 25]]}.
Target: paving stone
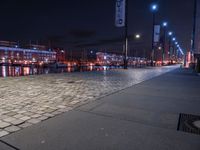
{"points": [[56, 112], [4, 124], [3, 133], [18, 116], [35, 116], [42, 118], [40, 112], [24, 125], [48, 115], [11, 113], [25, 118], [9, 119], [17, 122], [48, 110], [34, 121], [28, 113], [61, 106], [65, 109], [74, 102], [21, 112], [12, 128]]}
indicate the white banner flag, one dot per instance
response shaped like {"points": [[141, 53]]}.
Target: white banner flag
{"points": [[156, 33], [120, 13]]}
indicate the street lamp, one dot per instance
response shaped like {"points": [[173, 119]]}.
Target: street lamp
{"points": [[137, 39], [164, 45], [170, 33], [169, 51], [126, 36], [154, 9], [176, 49], [164, 24], [137, 36], [173, 48]]}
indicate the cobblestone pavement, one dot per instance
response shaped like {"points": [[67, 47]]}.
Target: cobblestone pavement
{"points": [[25, 101]]}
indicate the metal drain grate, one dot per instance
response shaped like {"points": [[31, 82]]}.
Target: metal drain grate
{"points": [[187, 123]]}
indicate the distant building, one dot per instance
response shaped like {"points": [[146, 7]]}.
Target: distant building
{"points": [[108, 59], [60, 54], [11, 53], [197, 37]]}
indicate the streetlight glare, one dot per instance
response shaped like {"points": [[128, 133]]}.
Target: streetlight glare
{"points": [[154, 7], [174, 39], [164, 24], [137, 36], [170, 33]]}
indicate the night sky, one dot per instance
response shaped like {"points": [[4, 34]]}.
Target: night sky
{"points": [[79, 24]]}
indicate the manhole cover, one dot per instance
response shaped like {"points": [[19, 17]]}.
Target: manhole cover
{"points": [[189, 123]]}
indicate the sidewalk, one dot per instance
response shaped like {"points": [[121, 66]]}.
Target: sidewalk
{"points": [[142, 117]]}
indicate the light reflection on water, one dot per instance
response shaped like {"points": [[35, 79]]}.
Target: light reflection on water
{"points": [[14, 71]]}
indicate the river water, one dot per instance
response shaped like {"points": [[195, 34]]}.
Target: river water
{"points": [[14, 71]]}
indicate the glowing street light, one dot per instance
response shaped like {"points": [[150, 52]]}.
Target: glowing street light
{"points": [[164, 24], [160, 48], [170, 33], [173, 39], [154, 9], [164, 41], [170, 53], [137, 36]]}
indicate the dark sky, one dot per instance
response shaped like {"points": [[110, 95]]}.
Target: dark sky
{"points": [[90, 23]]}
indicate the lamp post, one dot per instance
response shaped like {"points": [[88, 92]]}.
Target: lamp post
{"points": [[137, 38], [169, 51], [173, 48], [194, 27], [121, 20], [164, 46], [126, 36], [154, 9], [176, 50]]}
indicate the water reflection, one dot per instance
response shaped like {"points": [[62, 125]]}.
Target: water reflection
{"points": [[14, 71]]}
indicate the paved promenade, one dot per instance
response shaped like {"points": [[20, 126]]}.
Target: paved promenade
{"points": [[143, 117], [25, 101]]}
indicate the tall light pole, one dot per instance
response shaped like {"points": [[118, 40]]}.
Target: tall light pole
{"points": [[176, 50], [164, 45], [169, 51], [196, 57], [121, 20], [154, 8], [126, 36], [173, 48], [137, 37], [194, 27]]}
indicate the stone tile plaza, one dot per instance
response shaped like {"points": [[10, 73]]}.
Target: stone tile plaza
{"points": [[25, 101]]}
